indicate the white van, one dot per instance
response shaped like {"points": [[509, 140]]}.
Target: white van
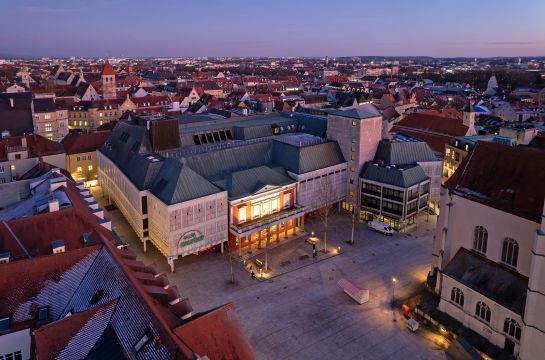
{"points": [[381, 227]]}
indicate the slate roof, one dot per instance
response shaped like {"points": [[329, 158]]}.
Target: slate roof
{"points": [[436, 141], [403, 176], [246, 182], [504, 286], [403, 152], [303, 159], [176, 183], [46, 105], [358, 114], [507, 178], [17, 119]]}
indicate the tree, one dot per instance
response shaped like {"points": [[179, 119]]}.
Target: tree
{"points": [[326, 198]]}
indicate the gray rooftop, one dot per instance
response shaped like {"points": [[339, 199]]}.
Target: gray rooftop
{"points": [[504, 286], [403, 177], [403, 152]]}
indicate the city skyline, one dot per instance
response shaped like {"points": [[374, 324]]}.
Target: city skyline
{"points": [[238, 29]]}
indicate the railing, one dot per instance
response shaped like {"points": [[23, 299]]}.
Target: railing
{"points": [[266, 220]]}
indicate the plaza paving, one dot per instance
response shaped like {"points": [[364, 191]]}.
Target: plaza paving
{"points": [[300, 312]]}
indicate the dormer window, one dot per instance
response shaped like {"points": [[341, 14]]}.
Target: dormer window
{"points": [[5, 322], [43, 313], [143, 340]]}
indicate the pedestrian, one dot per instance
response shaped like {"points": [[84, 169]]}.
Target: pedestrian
{"points": [[252, 274], [314, 253]]}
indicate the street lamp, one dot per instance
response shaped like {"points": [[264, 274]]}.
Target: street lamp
{"points": [[394, 281]]}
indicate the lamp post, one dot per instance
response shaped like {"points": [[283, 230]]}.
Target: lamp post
{"points": [[394, 281]]}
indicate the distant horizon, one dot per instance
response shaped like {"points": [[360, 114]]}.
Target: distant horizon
{"points": [[242, 28], [386, 57]]}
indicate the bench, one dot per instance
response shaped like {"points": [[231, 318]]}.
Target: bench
{"points": [[258, 263]]}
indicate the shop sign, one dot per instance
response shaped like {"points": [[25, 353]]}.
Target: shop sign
{"points": [[190, 237]]}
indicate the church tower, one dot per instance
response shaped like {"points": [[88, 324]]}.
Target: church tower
{"points": [[108, 81], [469, 118]]}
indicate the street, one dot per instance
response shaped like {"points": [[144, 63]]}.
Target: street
{"points": [[300, 312]]}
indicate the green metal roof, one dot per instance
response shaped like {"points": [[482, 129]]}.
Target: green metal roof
{"points": [[403, 152], [396, 176], [176, 183]]}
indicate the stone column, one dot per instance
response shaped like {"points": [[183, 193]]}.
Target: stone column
{"points": [[145, 245], [259, 239], [239, 240], [286, 230], [267, 248], [302, 222]]}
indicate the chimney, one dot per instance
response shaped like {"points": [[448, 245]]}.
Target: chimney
{"points": [[11, 103], [53, 205]]}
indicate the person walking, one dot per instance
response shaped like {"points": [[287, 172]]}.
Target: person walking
{"points": [[252, 274]]}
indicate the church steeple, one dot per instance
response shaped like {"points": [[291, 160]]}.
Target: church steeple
{"points": [[108, 81]]}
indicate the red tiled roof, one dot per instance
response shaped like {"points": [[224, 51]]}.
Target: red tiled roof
{"points": [[436, 141], [431, 122], [36, 145], [507, 178], [216, 334], [52, 338], [107, 69], [85, 142]]}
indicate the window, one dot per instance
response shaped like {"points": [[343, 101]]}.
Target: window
{"points": [[510, 252], [5, 323], [79, 169], [353, 140], [512, 328], [354, 122], [256, 211], [144, 202], [353, 157], [43, 313], [143, 340], [287, 200], [100, 114], [78, 158], [12, 167], [47, 116], [457, 296], [48, 127], [483, 311], [242, 214], [480, 239], [274, 205], [96, 297], [90, 167]]}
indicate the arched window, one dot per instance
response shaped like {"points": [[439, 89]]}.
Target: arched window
{"points": [[457, 296], [510, 252], [483, 311], [480, 239], [512, 328]]}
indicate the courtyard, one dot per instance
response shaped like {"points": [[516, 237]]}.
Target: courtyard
{"points": [[300, 312]]}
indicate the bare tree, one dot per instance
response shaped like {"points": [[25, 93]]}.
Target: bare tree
{"points": [[325, 199]]}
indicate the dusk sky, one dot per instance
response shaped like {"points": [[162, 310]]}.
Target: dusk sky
{"points": [[272, 28]]}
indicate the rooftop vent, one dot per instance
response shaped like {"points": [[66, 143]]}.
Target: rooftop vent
{"points": [[57, 246], [4, 257]]}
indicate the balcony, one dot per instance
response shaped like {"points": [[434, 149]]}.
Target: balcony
{"points": [[269, 220]]}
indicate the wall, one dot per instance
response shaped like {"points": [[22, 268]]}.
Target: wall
{"points": [[85, 160], [315, 191], [492, 331], [16, 341], [122, 192], [465, 215]]}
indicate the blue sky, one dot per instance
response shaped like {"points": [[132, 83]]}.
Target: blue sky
{"points": [[272, 28]]}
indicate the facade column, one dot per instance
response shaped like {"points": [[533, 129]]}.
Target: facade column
{"points": [[267, 248], [285, 229], [239, 240], [259, 240], [295, 225], [221, 247], [303, 222], [145, 245], [172, 267]]}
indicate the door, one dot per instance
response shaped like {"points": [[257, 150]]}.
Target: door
{"points": [[509, 346]]}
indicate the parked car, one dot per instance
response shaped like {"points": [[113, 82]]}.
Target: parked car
{"points": [[381, 227]]}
